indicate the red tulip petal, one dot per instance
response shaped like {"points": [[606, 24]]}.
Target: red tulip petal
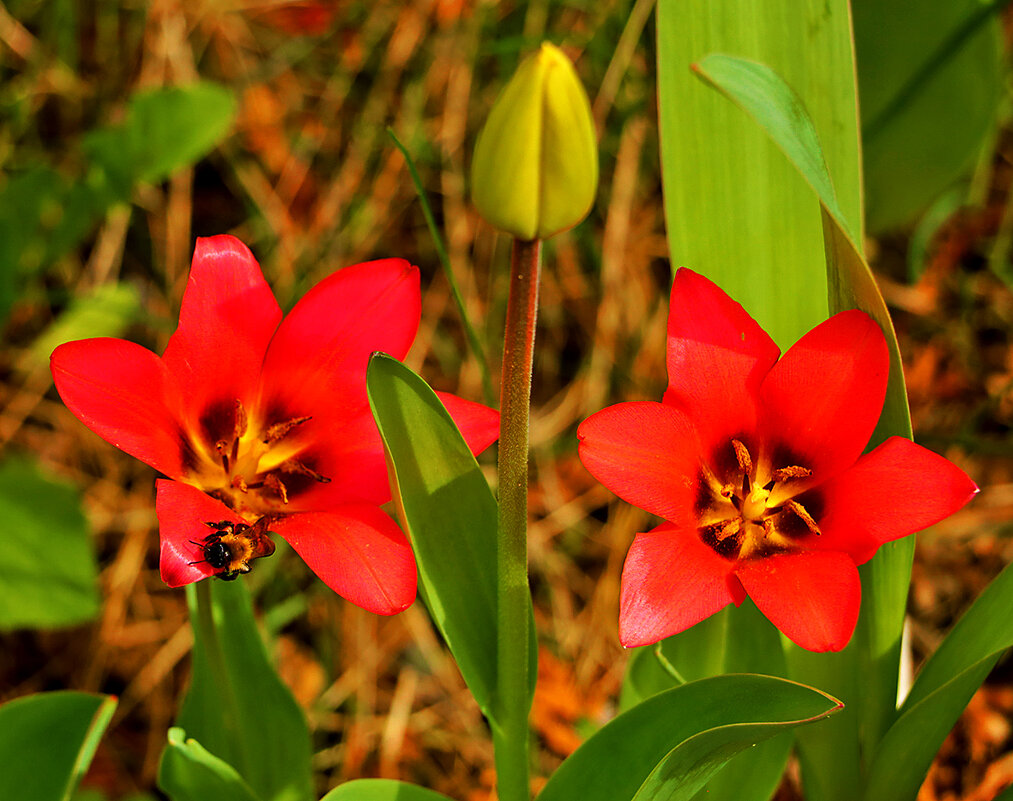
{"points": [[671, 581], [821, 401], [646, 453], [123, 393], [717, 358], [316, 363], [812, 597], [893, 491], [349, 452], [358, 552], [478, 424], [226, 320], [183, 510]]}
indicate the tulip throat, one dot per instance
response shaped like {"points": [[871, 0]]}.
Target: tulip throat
{"points": [[749, 509], [254, 468]]}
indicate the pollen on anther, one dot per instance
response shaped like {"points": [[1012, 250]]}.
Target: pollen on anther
{"points": [[790, 472]]}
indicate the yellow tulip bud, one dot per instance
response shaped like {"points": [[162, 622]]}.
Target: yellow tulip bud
{"points": [[535, 169]]}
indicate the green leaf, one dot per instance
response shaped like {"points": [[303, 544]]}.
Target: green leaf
{"points": [[236, 705], [165, 130], [189, 772], [930, 85], [735, 210], [106, 311], [47, 742], [669, 745], [732, 641], [760, 92], [450, 514], [381, 790], [47, 569], [940, 692]]}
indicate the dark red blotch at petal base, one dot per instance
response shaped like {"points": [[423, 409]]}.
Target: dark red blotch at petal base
{"points": [[358, 552], [183, 512]]}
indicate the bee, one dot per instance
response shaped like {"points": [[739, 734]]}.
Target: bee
{"points": [[231, 547]]}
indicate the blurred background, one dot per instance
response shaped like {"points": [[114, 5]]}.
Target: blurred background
{"points": [[128, 129]]}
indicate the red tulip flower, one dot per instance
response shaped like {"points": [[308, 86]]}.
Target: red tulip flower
{"points": [[262, 422], [756, 466]]}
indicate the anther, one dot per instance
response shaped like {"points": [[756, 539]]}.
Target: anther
{"points": [[804, 516], [279, 430], [791, 472], [241, 420], [742, 455], [272, 482], [297, 467]]}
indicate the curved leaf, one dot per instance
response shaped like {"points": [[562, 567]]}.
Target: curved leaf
{"points": [[732, 641], [382, 790], [189, 772], [450, 515], [941, 690], [48, 740], [669, 745]]}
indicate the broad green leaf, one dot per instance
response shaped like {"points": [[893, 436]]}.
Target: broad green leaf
{"points": [[735, 209], [189, 772], [236, 706], [165, 130], [381, 790], [940, 692], [930, 84], [732, 641], [669, 745], [47, 742], [450, 514], [47, 569], [851, 285], [106, 311]]}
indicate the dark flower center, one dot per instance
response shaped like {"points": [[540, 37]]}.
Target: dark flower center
{"points": [[252, 467], [750, 509]]}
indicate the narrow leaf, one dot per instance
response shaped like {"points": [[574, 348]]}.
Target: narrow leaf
{"points": [[941, 691], [930, 86], [47, 742], [189, 772], [668, 746], [47, 568], [450, 515], [735, 210], [381, 790], [237, 706]]}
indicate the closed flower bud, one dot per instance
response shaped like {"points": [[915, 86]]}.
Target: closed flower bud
{"points": [[535, 168]]}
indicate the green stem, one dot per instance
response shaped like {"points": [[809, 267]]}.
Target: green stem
{"points": [[206, 635], [510, 736], [441, 251]]}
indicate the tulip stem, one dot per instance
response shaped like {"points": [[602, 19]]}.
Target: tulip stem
{"points": [[510, 731], [206, 635]]}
